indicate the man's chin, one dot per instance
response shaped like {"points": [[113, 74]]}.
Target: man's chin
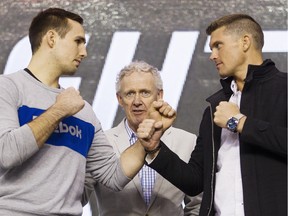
{"points": [[138, 120], [70, 73]]}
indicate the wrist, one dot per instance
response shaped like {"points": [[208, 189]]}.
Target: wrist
{"points": [[233, 122], [241, 124], [153, 151]]}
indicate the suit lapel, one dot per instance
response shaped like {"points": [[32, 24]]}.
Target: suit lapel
{"points": [[120, 138], [158, 182], [159, 179], [121, 141]]}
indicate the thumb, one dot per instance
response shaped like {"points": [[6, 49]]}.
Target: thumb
{"points": [[153, 113], [158, 125]]}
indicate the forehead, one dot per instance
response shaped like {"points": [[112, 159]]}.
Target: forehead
{"points": [[217, 33], [137, 80], [76, 28], [220, 35]]}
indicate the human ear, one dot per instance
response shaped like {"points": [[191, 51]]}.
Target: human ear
{"points": [[246, 42], [119, 98], [160, 94], [51, 38]]}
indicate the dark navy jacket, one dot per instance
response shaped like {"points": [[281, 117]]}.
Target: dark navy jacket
{"points": [[263, 146]]}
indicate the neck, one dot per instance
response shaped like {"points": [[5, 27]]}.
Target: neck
{"points": [[240, 84], [44, 72], [254, 58]]}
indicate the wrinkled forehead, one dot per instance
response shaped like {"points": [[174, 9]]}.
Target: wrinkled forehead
{"points": [[138, 80]]}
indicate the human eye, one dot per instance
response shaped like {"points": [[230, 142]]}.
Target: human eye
{"points": [[145, 94], [129, 94], [80, 41], [218, 46]]}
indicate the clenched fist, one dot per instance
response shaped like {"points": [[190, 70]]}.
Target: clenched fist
{"points": [[69, 102], [160, 117]]}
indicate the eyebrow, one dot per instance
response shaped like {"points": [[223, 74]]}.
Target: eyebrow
{"points": [[214, 44], [81, 38]]}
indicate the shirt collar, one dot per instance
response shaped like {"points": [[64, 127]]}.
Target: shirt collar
{"points": [[233, 86], [131, 134]]}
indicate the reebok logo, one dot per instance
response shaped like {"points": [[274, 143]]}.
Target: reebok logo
{"points": [[64, 128]]}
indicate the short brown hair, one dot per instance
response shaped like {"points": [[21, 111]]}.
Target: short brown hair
{"points": [[239, 23], [52, 18]]}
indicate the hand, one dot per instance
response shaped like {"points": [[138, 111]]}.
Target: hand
{"points": [[69, 102], [224, 111], [162, 111], [160, 117], [149, 133]]}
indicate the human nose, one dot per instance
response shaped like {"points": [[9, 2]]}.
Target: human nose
{"points": [[213, 55], [137, 99], [83, 52]]}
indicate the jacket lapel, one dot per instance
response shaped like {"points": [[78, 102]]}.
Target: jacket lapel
{"points": [[121, 141], [159, 179]]}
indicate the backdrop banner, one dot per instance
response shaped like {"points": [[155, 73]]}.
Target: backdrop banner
{"points": [[169, 34]]}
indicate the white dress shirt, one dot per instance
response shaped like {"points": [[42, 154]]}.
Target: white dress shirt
{"points": [[228, 199]]}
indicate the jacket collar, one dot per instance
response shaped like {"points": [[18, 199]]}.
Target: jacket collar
{"points": [[260, 71], [255, 72]]}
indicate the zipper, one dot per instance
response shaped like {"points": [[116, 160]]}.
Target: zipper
{"points": [[213, 163]]}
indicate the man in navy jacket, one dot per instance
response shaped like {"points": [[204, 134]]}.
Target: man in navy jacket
{"points": [[240, 159]]}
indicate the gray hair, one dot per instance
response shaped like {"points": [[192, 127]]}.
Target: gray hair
{"points": [[139, 66]]}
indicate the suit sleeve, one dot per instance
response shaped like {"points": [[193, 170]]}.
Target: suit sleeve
{"points": [[192, 205]]}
